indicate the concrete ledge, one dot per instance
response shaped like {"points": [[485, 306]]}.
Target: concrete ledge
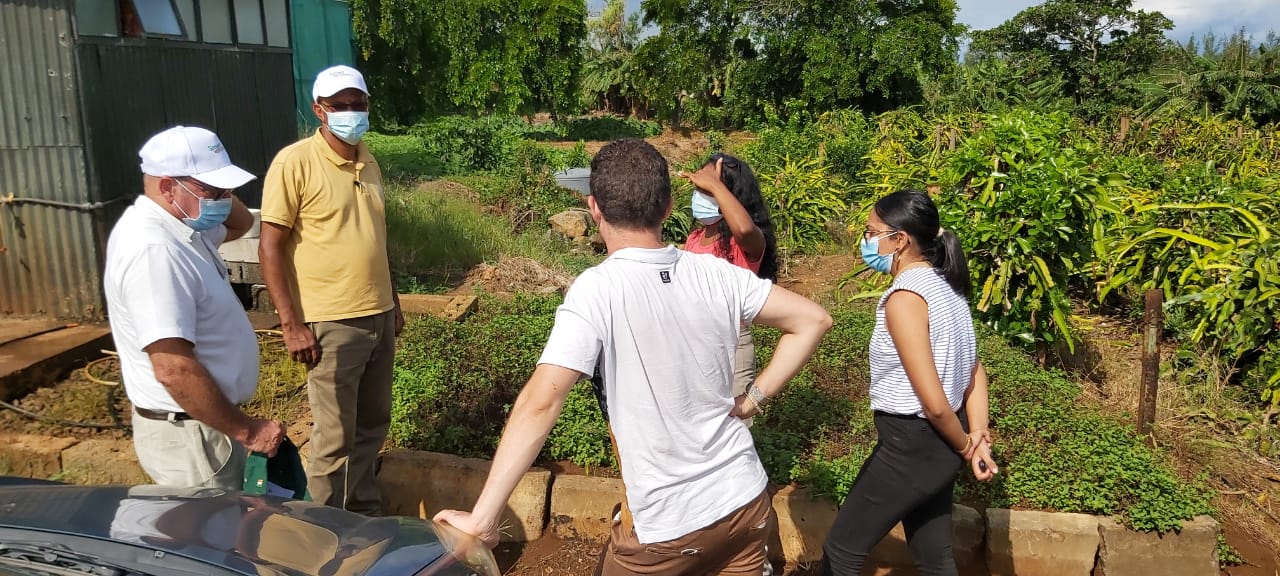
{"points": [[415, 483], [1193, 551], [581, 506], [967, 532], [1040, 543], [102, 461], [32, 456], [803, 524]]}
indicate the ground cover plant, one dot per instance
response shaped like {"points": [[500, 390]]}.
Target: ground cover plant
{"points": [[456, 381]]}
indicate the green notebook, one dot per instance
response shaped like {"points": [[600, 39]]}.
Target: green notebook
{"points": [[281, 475]]}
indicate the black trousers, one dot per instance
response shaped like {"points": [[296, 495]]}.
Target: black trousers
{"points": [[908, 478]]}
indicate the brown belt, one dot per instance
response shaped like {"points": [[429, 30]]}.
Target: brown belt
{"points": [[161, 415]]}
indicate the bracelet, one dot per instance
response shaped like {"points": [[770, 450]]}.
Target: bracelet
{"points": [[756, 396], [967, 445], [752, 401]]}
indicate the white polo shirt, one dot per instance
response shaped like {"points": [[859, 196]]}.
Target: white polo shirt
{"points": [[165, 280], [664, 325]]}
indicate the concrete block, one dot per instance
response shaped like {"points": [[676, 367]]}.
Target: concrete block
{"points": [[1040, 543], [240, 250], [103, 461], [1193, 551], [32, 456], [423, 483], [451, 308], [967, 532], [582, 506], [803, 524]]}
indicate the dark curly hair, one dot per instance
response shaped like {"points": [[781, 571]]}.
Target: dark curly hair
{"points": [[630, 183], [741, 181]]}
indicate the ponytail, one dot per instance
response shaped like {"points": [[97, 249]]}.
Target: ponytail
{"points": [[947, 256]]}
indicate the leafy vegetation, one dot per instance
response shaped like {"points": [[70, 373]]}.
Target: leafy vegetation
{"points": [[455, 383]]}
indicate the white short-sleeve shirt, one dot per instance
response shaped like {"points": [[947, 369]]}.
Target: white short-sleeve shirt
{"points": [[663, 324], [165, 280]]}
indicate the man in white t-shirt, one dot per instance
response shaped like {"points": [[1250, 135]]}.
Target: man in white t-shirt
{"points": [[663, 325], [188, 355]]}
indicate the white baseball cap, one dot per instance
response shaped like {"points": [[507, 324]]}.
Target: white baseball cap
{"points": [[335, 79], [192, 152]]}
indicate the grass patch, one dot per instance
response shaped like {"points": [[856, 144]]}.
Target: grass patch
{"points": [[434, 238], [282, 383], [403, 157]]}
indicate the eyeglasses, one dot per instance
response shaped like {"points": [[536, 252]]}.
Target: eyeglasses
{"points": [[353, 106], [206, 191], [870, 233]]}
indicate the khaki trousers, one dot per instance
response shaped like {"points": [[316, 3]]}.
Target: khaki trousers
{"points": [[188, 453], [734, 544], [350, 396]]}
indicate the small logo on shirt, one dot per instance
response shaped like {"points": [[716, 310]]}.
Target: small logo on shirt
{"points": [[666, 276]]}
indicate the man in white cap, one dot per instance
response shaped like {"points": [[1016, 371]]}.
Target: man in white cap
{"points": [[188, 355], [324, 256]]}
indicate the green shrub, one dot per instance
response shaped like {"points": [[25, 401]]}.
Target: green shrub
{"points": [[608, 128], [455, 382], [1026, 215], [803, 197], [463, 144]]}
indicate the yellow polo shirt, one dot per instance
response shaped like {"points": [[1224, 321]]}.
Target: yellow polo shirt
{"points": [[338, 248]]}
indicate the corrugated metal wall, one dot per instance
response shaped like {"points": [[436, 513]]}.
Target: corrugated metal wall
{"points": [[73, 114], [48, 255], [133, 90]]}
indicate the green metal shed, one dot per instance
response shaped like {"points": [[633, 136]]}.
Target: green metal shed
{"points": [[83, 83], [322, 38]]}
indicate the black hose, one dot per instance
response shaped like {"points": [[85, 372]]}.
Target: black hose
{"points": [[111, 407], [61, 422]]}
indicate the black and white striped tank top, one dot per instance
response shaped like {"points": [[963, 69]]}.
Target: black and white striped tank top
{"points": [[951, 335]]}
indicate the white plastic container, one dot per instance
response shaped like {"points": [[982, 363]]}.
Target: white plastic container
{"points": [[578, 179], [256, 230]]}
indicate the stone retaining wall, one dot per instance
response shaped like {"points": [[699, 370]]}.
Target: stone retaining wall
{"points": [[1013, 542]]}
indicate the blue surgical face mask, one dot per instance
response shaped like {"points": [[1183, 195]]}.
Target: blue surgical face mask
{"points": [[871, 254], [348, 126], [705, 208], [212, 212]]}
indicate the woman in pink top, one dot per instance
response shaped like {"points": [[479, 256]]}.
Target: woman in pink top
{"points": [[735, 226]]}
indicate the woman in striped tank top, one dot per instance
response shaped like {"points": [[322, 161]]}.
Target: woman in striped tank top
{"points": [[928, 392]]}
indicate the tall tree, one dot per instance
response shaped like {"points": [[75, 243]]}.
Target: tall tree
{"points": [[691, 57], [811, 55], [430, 56], [1103, 48], [1237, 78], [610, 77]]}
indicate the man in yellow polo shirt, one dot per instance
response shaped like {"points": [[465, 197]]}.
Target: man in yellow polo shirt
{"points": [[323, 249]]}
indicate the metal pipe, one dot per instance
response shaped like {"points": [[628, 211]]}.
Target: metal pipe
{"points": [[83, 207]]}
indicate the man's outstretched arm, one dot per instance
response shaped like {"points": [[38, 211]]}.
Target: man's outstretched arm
{"points": [[534, 414]]}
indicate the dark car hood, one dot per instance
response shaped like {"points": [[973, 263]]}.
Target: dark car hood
{"points": [[247, 534]]}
